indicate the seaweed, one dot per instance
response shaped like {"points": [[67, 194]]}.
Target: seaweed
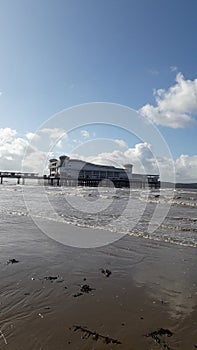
{"points": [[86, 288], [12, 261], [87, 333], [106, 272], [51, 278], [157, 337]]}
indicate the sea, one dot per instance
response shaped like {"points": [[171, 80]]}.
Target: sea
{"points": [[166, 215], [153, 267]]}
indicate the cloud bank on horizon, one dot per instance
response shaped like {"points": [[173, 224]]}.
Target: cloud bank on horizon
{"points": [[175, 108], [22, 153]]}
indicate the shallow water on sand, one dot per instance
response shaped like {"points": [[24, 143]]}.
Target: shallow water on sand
{"points": [[117, 210]]}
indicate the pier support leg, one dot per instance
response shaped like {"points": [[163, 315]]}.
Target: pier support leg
{"points": [[1, 180], [18, 181]]}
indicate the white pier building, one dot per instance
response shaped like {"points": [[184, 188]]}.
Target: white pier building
{"points": [[71, 172]]}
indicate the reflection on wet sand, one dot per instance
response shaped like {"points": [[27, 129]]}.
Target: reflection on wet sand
{"points": [[53, 288], [169, 277]]}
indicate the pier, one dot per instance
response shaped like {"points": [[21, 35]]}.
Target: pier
{"points": [[152, 182], [56, 181], [19, 176]]}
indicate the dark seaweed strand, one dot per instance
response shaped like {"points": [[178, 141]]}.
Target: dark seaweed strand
{"points": [[95, 335], [156, 337]]}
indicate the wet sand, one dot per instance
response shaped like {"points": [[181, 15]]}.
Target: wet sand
{"points": [[152, 289]]}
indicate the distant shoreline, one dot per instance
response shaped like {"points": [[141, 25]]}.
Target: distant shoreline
{"points": [[178, 185]]}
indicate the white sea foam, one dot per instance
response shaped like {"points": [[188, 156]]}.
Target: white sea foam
{"points": [[180, 225]]}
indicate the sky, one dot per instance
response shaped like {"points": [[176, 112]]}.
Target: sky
{"points": [[55, 55]]}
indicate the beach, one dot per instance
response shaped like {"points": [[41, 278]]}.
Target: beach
{"points": [[98, 175], [151, 288]]}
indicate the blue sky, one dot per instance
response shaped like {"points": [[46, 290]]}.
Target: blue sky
{"points": [[58, 54]]}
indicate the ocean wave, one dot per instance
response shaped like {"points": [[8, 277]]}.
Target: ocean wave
{"points": [[171, 201], [166, 239], [178, 228], [161, 236], [183, 219]]}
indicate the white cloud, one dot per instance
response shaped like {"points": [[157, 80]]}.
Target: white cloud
{"points": [[85, 133], [13, 150], [153, 71], [175, 106], [32, 136], [186, 168], [37, 161], [6, 135], [15, 147], [10, 144], [121, 143], [59, 144], [144, 163], [140, 156], [54, 133], [173, 68], [8, 158]]}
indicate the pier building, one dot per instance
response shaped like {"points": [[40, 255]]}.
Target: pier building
{"points": [[66, 171]]}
